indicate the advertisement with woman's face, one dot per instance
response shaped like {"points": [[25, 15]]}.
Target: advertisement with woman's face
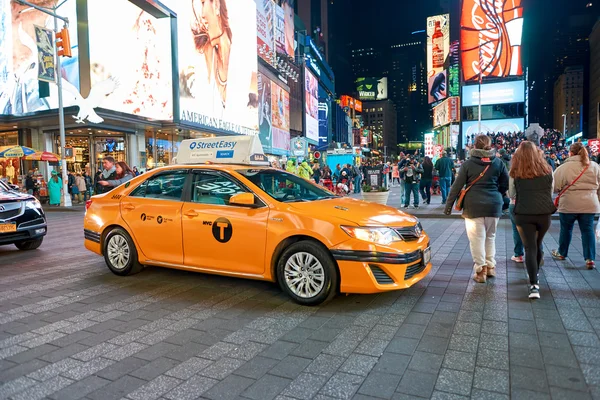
{"points": [[311, 87], [288, 9], [19, 61], [218, 65], [141, 62]]}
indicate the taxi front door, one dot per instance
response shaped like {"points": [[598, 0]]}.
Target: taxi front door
{"points": [[219, 236], [153, 213]]}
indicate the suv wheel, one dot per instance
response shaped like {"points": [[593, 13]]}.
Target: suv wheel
{"points": [[307, 273], [120, 253], [29, 244]]}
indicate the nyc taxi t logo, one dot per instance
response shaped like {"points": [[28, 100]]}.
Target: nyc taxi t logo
{"points": [[222, 229]]}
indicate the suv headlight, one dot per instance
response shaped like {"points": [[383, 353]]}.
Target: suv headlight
{"points": [[35, 203], [383, 236]]}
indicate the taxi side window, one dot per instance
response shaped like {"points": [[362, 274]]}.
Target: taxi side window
{"points": [[167, 186], [212, 188]]}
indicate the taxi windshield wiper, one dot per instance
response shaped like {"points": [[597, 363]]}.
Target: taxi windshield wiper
{"points": [[296, 201]]}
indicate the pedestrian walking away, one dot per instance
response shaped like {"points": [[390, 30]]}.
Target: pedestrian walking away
{"points": [[577, 182], [486, 179], [444, 166], [531, 186], [426, 180]]}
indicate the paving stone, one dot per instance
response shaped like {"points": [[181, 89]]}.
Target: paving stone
{"points": [[359, 364], [220, 369], [154, 368], [267, 387], [453, 381], [43, 389], [281, 349], [324, 365], [120, 368], [433, 344], [229, 388], [305, 386], [256, 367], [380, 384], [459, 360], [80, 389], [565, 394], [426, 362], [493, 359], [342, 385], [563, 357], [566, 378], [155, 388], [418, 384], [191, 388], [528, 379], [402, 345], [492, 379], [290, 367]]}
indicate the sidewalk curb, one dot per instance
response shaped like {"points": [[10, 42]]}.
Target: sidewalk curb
{"points": [[63, 209]]}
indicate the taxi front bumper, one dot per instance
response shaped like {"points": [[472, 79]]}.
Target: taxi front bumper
{"points": [[363, 271]]}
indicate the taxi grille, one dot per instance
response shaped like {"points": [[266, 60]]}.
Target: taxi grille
{"points": [[414, 270], [409, 233], [380, 276]]}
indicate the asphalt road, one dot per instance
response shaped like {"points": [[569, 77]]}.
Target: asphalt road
{"points": [[70, 329]]}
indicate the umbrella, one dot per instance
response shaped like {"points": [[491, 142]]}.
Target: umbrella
{"points": [[16, 152], [43, 156]]}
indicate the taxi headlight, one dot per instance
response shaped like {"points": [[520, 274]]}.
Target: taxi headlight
{"points": [[34, 203], [383, 236]]}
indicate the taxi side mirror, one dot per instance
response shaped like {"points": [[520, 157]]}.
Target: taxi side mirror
{"points": [[242, 199]]}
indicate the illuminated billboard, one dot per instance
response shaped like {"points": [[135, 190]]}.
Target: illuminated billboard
{"points": [[288, 11], [323, 124], [280, 112], [471, 128], [265, 30], [279, 28], [218, 87], [265, 120], [370, 89], [446, 112], [311, 109], [490, 38], [145, 79], [438, 43], [494, 93], [19, 62], [437, 87]]}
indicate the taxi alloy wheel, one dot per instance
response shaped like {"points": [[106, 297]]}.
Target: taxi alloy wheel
{"points": [[120, 253], [307, 273]]}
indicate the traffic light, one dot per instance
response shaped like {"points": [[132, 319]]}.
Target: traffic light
{"points": [[63, 43]]}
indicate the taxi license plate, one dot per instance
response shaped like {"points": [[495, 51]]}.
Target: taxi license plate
{"points": [[427, 255], [8, 228]]}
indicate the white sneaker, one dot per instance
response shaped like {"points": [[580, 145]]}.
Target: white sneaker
{"points": [[534, 292], [517, 259]]}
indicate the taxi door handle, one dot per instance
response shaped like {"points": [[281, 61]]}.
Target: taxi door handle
{"points": [[191, 214], [129, 207]]}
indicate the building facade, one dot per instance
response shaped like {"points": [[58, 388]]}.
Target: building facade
{"points": [[379, 118], [594, 106], [568, 100]]}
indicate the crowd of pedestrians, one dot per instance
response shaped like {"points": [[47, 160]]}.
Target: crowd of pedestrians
{"points": [[526, 176]]}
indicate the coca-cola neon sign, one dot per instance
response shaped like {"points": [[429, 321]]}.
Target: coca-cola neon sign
{"points": [[490, 42]]}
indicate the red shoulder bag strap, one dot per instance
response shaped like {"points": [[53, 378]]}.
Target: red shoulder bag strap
{"points": [[478, 178], [572, 183]]}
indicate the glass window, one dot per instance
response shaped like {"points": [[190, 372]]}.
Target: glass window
{"points": [[285, 187], [165, 186], [214, 188]]}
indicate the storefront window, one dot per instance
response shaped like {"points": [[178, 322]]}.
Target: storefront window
{"points": [[85, 153], [10, 168]]}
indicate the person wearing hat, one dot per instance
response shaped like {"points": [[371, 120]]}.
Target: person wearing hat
{"points": [[54, 188], [505, 157]]}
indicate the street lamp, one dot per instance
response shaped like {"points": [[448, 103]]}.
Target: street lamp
{"points": [[61, 115]]}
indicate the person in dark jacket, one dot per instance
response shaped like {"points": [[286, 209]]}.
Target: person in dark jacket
{"points": [[30, 183], [531, 185], [412, 177], [426, 180], [444, 168], [482, 205], [109, 173]]}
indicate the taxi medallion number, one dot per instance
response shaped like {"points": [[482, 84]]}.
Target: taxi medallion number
{"points": [[8, 228]]}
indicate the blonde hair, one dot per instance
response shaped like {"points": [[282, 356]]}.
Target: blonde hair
{"points": [[483, 142], [577, 149]]}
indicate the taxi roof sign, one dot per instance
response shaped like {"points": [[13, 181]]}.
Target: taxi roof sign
{"points": [[245, 150]]}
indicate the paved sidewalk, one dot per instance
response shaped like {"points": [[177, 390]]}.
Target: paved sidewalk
{"points": [[70, 329]]}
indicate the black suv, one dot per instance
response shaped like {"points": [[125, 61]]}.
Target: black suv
{"points": [[22, 220]]}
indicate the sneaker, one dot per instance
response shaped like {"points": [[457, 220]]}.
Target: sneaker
{"points": [[403, 206], [590, 264], [517, 259], [416, 207], [557, 256], [534, 292]]}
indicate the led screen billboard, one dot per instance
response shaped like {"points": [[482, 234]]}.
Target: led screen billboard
{"points": [[288, 11], [19, 62], [438, 43], [279, 29], [494, 93], [490, 38], [323, 124], [280, 106], [311, 110], [265, 30], [372, 88], [265, 119], [437, 88], [470, 128], [145, 79], [218, 88]]}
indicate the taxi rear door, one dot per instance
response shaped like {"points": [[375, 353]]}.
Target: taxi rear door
{"points": [[153, 213], [220, 236]]}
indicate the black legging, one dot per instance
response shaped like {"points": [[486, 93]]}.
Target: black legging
{"points": [[532, 229], [426, 190]]}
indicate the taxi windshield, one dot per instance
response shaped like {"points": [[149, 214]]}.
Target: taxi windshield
{"points": [[285, 187]]}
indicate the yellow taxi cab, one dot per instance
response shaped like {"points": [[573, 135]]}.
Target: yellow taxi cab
{"points": [[219, 210]]}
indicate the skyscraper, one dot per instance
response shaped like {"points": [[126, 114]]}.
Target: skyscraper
{"points": [[315, 16]]}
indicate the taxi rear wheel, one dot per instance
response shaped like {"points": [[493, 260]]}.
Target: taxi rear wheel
{"points": [[307, 273], [120, 253]]}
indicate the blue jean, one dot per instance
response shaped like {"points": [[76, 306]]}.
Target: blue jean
{"points": [[588, 236], [408, 189], [357, 182], [445, 184], [518, 250]]}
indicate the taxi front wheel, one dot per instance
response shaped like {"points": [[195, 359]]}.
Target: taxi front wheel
{"points": [[120, 253], [307, 273]]}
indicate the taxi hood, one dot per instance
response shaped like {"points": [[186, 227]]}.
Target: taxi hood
{"points": [[362, 213]]}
